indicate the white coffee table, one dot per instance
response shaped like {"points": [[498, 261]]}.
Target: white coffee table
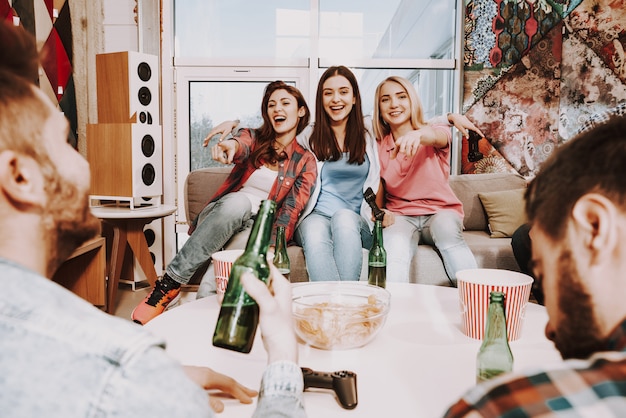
{"points": [[417, 366]]}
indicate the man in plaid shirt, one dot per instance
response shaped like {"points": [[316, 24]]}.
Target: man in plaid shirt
{"points": [[577, 209]]}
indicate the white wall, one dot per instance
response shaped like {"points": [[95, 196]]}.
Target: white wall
{"points": [[119, 26]]}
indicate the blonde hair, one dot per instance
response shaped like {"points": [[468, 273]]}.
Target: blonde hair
{"points": [[381, 129]]}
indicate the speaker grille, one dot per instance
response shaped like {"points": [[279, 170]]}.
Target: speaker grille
{"points": [[150, 236], [144, 95], [145, 117], [144, 71], [148, 174], [150, 239], [147, 145]]}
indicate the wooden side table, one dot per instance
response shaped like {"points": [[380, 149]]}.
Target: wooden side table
{"points": [[127, 225], [84, 272]]}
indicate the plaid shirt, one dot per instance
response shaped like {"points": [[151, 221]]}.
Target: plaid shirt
{"points": [[595, 387], [293, 185]]}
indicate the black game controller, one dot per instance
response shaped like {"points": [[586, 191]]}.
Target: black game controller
{"points": [[342, 382], [473, 154]]}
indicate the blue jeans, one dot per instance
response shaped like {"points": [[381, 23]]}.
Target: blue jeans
{"points": [[217, 223], [442, 230], [333, 245]]}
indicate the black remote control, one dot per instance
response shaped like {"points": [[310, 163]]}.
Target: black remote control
{"points": [[370, 198], [343, 383]]}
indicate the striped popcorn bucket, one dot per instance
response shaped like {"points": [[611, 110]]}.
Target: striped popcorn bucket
{"points": [[222, 263], [474, 287]]}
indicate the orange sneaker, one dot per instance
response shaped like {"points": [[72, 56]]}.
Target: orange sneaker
{"points": [[165, 293]]}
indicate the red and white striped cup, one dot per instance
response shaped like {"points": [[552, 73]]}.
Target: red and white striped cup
{"points": [[222, 263], [474, 287]]}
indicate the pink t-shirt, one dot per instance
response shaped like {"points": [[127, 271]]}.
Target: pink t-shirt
{"points": [[419, 185]]}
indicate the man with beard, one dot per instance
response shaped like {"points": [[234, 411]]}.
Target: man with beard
{"points": [[60, 356], [577, 209]]}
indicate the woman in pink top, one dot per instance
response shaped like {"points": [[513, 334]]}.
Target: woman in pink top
{"points": [[414, 169]]}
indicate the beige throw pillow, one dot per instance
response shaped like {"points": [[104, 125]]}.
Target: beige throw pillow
{"points": [[505, 211]]}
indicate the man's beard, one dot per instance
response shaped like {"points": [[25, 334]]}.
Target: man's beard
{"points": [[67, 220], [577, 334]]}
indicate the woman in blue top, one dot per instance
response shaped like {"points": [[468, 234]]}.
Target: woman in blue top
{"points": [[336, 223]]}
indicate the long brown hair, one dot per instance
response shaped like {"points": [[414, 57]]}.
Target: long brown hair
{"points": [[264, 152], [323, 141]]}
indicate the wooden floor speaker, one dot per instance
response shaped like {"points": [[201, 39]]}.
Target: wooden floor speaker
{"points": [[128, 88], [126, 160]]}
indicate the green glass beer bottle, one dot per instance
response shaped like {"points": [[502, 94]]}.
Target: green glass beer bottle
{"points": [[495, 356], [281, 258], [377, 258], [239, 315]]}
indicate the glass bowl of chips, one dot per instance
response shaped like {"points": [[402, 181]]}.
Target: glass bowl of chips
{"points": [[339, 315]]}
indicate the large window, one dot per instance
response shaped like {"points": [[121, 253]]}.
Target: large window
{"points": [[226, 51], [212, 102], [242, 29], [391, 29]]}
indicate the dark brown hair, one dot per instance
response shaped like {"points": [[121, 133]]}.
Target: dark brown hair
{"points": [[592, 162], [323, 141], [265, 135], [18, 53], [22, 116]]}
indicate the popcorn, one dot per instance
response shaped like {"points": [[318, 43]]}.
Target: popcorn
{"points": [[331, 325]]}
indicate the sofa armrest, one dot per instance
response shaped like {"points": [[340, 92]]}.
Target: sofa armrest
{"points": [[200, 186]]}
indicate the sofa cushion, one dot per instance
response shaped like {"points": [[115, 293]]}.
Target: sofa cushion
{"points": [[491, 253], [427, 267], [505, 211], [467, 186], [200, 186]]}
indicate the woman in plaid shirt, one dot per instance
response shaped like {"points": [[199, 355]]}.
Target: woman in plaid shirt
{"points": [[269, 164]]}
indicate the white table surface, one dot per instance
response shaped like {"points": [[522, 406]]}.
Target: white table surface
{"points": [[418, 365]]}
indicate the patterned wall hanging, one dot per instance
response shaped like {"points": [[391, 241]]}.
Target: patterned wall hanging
{"points": [[593, 70], [49, 21], [534, 71]]}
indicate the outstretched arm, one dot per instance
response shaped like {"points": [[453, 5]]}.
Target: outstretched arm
{"points": [[460, 122], [275, 317], [434, 136], [223, 129], [282, 383], [224, 151]]}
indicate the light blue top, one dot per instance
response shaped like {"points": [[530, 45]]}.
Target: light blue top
{"points": [[342, 185], [62, 357], [373, 175]]}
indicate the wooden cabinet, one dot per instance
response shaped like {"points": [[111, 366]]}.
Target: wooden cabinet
{"points": [[84, 272]]}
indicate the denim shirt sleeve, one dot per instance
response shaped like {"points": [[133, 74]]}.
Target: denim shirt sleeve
{"points": [[281, 392]]}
